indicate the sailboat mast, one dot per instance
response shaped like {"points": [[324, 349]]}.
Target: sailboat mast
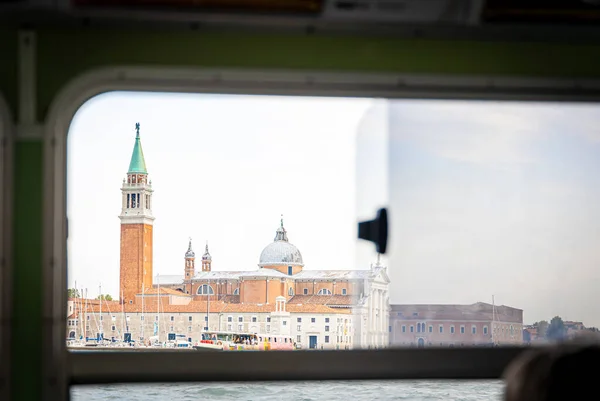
{"points": [[122, 315], [86, 305], [493, 318], [76, 308], [158, 307], [101, 331], [142, 319]]}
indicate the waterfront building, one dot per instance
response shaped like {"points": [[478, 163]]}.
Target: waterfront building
{"points": [[320, 309], [455, 325]]}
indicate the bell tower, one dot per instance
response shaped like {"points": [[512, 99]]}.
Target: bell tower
{"points": [[190, 266], [136, 226], [206, 260]]}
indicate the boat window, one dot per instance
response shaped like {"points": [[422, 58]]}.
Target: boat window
{"points": [[493, 188]]}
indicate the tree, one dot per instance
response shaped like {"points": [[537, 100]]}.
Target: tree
{"points": [[556, 330], [105, 297], [73, 293], [542, 327]]}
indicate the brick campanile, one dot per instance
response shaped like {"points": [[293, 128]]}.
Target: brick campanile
{"points": [[136, 226]]}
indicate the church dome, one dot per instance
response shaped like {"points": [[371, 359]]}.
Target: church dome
{"points": [[280, 252]]}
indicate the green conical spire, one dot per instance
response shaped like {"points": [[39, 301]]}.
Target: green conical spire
{"points": [[138, 164]]}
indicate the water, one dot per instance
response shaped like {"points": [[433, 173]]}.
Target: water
{"points": [[484, 390]]}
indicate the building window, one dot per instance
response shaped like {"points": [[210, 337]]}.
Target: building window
{"points": [[236, 291], [268, 328], [324, 291], [142, 317], [326, 339], [241, 327], [189, 328], [462, 329], [205, 289], [298, 328], [313, 320], [305, 291], [229, 327], [268, 319], [412, 329], [431, 329], [240, 319], [326, 328], [299, 320], [441, 328], [290, 291], [290, 270], [285, 322], [326, 320], [189, 318], [473, 330], [172, 318], [485, 330], [101, 317], [344, 291], [230, 318], [404, 329], [451, 329], [299, 339], [113, 328], [253, 319]]}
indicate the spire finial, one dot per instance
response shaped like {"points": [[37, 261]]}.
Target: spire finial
{"points": [[206, 247], [282, 220], [137, 129]]}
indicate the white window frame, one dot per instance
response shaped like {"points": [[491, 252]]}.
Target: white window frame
{"points": [[62, 368]]}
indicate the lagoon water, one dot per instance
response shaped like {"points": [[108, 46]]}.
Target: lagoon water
{"points": [[482, 390]]}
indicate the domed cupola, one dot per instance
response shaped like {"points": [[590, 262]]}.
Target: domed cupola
{"points": [[280, 254]]}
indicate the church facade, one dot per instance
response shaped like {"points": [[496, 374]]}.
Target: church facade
{"points": [[320, 309]]}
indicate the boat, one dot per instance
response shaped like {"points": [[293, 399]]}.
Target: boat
{"points": [[235, 341]]}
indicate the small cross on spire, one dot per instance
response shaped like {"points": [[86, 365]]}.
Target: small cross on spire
{"points": [[282, 221], [137, 129]]}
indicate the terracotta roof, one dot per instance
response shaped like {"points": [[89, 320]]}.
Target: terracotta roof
{"points": [[163, 291], [72, 316], [476, 311], [233, 299], [332, 300], [221, 307]]}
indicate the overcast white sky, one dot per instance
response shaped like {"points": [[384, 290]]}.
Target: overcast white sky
{"points": [[485, 198], [223, 169]]}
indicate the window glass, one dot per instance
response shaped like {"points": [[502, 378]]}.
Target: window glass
{"points": [[493, 216]]}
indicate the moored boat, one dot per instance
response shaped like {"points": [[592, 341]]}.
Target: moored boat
{"points": [[232, 341]]}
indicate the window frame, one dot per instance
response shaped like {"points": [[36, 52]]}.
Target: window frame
{"points": [[63, 368]]}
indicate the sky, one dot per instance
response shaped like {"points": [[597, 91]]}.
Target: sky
{"points": [[485, 198], [223, 170], [496, 199]]}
